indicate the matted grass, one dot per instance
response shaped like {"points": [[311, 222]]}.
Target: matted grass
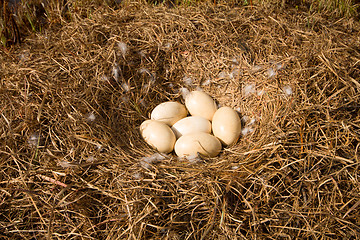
{"points": [[73, 96]]}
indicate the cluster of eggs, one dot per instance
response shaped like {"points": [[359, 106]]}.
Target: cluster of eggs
{"points": [[204, 132]]}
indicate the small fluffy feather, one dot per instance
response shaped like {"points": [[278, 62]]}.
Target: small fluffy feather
{"points": [[184, 92], [123, 48], [188, 80], [34, 139], [155, 158], [249, 89], [287, 90], [271, 73]]}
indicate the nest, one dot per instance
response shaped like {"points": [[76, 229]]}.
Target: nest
{"points": [[73, 163]]}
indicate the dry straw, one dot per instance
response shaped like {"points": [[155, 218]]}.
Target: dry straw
{"points": [[73, 164]]}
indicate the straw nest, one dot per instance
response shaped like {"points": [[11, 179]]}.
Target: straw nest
{"points": [[73, 163]]}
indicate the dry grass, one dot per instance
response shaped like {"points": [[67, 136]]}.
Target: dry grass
{"points": [[71, 153]]}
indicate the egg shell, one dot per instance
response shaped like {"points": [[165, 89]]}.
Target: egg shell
{"points": [[200, 104], [169, 112], [158, 135], [190, 125], [200, 142], [226, 125]]}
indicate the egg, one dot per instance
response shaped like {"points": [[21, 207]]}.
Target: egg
{"points": [[169, 112], [200, 104], [158, 135], [190, 125], [200, 142], [226, 125]]}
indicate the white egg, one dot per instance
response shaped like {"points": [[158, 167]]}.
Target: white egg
{"points": [[226, 125], [200, 104], [169, 112], [200, 142], [190, 125], [158, 135]]}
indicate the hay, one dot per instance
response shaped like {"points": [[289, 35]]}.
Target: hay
{"points": [[72, 98]]}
